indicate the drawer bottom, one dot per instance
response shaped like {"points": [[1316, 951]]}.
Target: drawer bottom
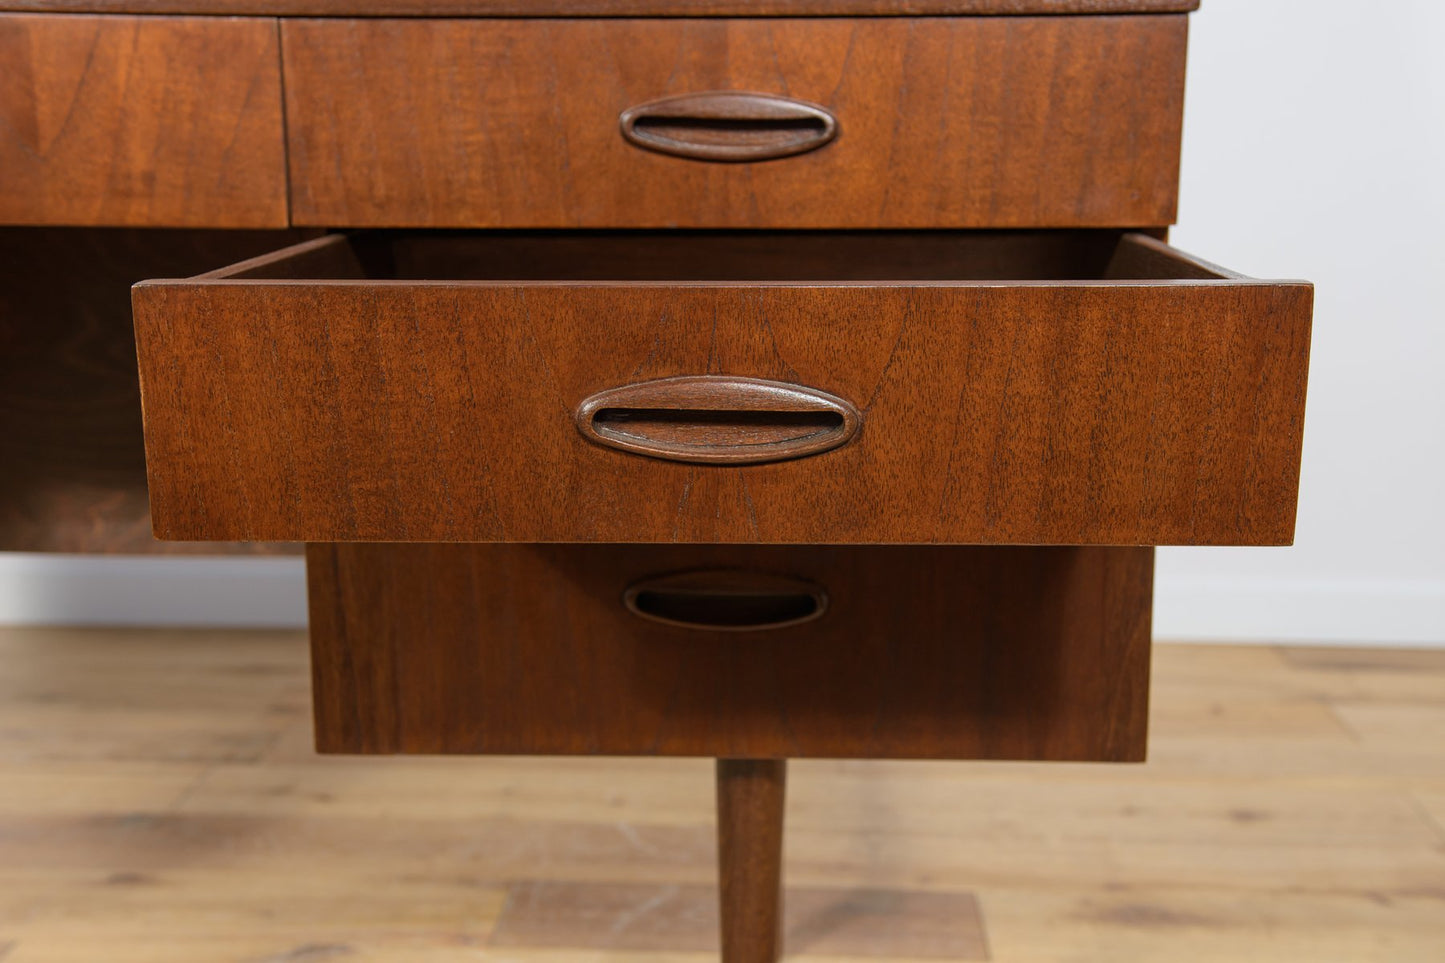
{"points": [[937, 652]]}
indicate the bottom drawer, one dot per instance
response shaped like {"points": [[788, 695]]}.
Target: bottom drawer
{"points": [[741, 651]]}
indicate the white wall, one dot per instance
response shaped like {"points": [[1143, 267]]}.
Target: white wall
{"points": [[1314, 147], [155, 590]]}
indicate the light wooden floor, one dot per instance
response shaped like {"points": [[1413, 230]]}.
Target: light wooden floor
{"points": [[159, 802]]}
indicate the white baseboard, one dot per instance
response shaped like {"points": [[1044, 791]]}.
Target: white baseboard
{"points": [[271, 592], [174, 590], [1306, 611]]}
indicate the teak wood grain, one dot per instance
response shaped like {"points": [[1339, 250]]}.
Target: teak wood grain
{"points": [[716, 419], [942, 122], [728, 125], [751, 796], [607, 8], [141, 121], [924, 652], [162, 805], [730, 600], [1122, 412]]}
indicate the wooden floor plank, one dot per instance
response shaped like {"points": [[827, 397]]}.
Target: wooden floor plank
{"points": [[159, 802], [667, 917]]}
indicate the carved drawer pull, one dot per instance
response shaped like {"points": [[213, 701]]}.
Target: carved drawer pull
{"points": [[726, 600], [715, 419], [729, 125]]}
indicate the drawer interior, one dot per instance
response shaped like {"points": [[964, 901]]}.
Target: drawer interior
{"points": [[728, 256], [70, 419]]}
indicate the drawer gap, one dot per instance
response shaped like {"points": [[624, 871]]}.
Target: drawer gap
{"points": [[715, 256]]}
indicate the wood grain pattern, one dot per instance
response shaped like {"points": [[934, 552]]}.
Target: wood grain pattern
{"points": [[1128, 412], [728, 126], [136, 121], [962, 122], [160, 802], [726, 600], [931, 652], [691, 256], [750, 801], [607, 8], [717, 420], [668, 917], [73, 456]]}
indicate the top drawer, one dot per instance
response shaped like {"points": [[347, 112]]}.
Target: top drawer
{"points": [[1069, 121]]}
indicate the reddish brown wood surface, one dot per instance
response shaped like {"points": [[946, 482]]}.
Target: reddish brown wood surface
{"points": [[72, 459], [729, 600], [141, 121], [937, 652], [962, 122], [607, 8], [728, 125], [1128, 412], [717, 420], [750, 802]]}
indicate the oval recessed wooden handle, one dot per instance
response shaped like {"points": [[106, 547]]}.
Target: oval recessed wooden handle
{"points": [[717, 419], [729, 125], [726, 600]]}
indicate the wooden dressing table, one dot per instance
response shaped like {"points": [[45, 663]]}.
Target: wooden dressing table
{"points": [[799, 378]]}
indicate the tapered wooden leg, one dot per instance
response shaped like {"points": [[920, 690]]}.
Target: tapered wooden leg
{"points": [[750, 795]]}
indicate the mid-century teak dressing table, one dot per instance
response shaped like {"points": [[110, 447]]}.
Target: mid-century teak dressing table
{"points": [[686, 377]]}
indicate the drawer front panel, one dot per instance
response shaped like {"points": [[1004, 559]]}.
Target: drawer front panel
{"points": [[942, 122], [933, 652], [141, 121], [1131, 413]]}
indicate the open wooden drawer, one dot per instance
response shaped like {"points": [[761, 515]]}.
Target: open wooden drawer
{"points": [[1071, 388]]}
